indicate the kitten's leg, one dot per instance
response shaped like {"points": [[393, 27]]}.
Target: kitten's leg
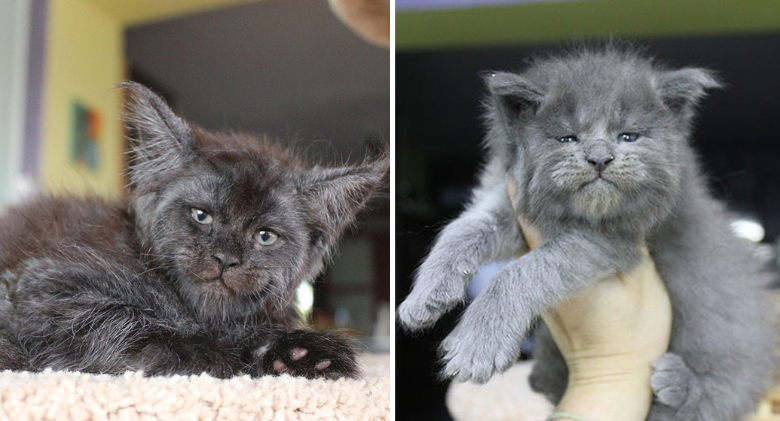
{"points": [[64, 321], [488, 337], [487, 230], [172, 353], [716, 372], [12, 356], [682, 393], [722, 354], [305, 353], [550, 374]]}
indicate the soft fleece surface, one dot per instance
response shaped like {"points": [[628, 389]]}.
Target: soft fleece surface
{"points": [[77, 396], [508, 397], [505, 397]]}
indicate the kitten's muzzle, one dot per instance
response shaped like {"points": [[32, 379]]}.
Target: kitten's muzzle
{"points": [[600, 163], [226, 260]]}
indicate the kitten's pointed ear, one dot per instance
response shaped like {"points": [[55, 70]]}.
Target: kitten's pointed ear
{"points": [[335, 195], [681, 90], [513, 94], [160, 141]]}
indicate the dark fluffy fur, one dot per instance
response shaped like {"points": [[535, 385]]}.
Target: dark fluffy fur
{"points": [[596, 198], [105, 287]]}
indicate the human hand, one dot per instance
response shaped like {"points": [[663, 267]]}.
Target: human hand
{"points": [[369, 19], [609, 335]]}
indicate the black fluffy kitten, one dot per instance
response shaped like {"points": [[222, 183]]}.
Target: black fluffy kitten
{"points": [[196, 272]]}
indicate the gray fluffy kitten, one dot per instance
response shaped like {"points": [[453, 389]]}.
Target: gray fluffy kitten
{"points": [[598, 145]]}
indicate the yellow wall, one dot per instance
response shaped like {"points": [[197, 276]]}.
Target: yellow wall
{"points": [[133, 12], [85, 50]]}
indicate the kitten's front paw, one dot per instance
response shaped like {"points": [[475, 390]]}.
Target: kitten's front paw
{"points": [[415, 313], [310, 354], [672, 381], [478, 347], [436, 291]]}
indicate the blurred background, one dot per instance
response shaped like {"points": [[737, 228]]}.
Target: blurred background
{"points": [[442, 45], [288, 68]]}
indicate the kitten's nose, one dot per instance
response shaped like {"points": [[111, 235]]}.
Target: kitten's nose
{"points": [[226, 260], [601, 163]]}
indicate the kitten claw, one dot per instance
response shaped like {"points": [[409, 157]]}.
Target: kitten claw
{"points": [[322, 365], [298, 353]]}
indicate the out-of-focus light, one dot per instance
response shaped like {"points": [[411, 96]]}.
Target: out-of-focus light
{"points": [[305, 299], [747, 229]]}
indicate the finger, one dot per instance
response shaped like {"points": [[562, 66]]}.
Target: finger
{"points": [[532, 236]]}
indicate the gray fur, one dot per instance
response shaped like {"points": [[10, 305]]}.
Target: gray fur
{"points": [[105, 287], [596, 200]]}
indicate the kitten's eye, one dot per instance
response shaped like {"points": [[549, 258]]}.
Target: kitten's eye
{"points": [[201, 217], [266, 238], [628, 137], [567, 139]]}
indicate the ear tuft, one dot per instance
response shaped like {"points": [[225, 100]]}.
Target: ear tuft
{"points": [[681, 90], [334, 196], [513, 93], [160, 141]]}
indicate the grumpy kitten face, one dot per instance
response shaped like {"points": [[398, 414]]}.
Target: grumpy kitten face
{"points": [[595, 135], [237, 221]]}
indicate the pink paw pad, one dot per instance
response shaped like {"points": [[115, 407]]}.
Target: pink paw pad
{"points": [[298, 353], [280, 367]]}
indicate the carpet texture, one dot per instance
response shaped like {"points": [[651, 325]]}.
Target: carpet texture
{"points": [[76, 396]]}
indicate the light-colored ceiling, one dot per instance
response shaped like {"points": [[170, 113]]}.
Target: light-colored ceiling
{"points": [[285, 67]]}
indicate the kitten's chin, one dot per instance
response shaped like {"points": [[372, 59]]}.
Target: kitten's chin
{"points": [[227, 287], [597, 199], [217, 288], [230, 283], [218, 299]]}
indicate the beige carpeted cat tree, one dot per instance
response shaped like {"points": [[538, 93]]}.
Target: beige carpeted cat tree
{"points": [[77, 396]]}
